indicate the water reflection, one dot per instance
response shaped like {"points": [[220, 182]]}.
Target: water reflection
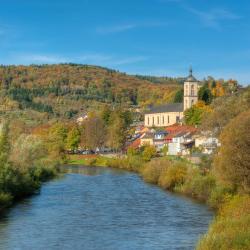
{"points": [[89, 170]]}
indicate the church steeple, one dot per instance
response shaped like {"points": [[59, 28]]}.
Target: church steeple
{"points": [[190, 71], [190, 90]]}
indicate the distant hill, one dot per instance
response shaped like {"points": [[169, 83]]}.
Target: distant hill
{"points": [[65, 90]]}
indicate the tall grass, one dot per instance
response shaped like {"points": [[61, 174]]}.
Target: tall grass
{"points": [[231, 228]]}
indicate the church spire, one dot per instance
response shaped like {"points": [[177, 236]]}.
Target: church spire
{"points": [[191, 71]]}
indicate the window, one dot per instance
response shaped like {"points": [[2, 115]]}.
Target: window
{"points": [[168, 118], [186, 90], [177, 118], [192, 102], [192, 90], [153, 121], [158, 120]]}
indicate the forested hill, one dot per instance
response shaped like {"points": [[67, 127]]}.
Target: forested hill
{"points": [[64, 90]]}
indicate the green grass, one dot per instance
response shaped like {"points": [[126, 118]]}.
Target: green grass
{"points": [[100, 161]]}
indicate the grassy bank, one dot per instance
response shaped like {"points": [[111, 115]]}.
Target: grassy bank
{"points": [[231, 228], [16, 185], [26, 160], [92, 160]]}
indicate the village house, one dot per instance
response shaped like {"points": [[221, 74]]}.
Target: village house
{"points": [[206, 142], [147, 139], [169, 114], [159, 140], [181, 143]]}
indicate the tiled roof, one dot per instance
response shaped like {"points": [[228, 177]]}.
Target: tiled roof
{"points": [[180, 128], [148, 136], [135, 144], [172, 107]]}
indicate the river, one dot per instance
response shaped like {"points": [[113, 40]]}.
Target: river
{"points": [[97, 208]]}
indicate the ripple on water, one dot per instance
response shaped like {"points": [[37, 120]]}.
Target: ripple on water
{"points": [[103, 209]]}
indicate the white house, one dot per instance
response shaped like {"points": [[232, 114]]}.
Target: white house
{"points": [[181, 143]]}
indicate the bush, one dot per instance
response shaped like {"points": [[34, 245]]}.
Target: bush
{"points": [[148, 153], [219, 195], [5, 200], [198, 186], [230, 230], [173, 176], [153, 170]]}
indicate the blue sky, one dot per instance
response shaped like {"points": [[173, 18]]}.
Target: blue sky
{"points": [[156, 37]]}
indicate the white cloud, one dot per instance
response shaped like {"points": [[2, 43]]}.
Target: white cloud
{"points": [[129, 26], [213, 17], [29, 58], [115, 29], [108, 60], [210, 18]]}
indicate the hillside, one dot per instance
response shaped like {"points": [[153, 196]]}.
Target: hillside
{"points": [[65, 90]]}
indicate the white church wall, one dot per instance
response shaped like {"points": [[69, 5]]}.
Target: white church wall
{"points": [[162, 119]]}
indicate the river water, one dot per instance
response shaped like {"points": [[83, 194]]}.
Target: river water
{"points": [[97, 208]]}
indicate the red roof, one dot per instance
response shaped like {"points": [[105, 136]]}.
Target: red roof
{"points": [[135, 144], [180, 128], [176, 129]]}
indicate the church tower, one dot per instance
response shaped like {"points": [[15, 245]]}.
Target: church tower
{"points": [[190, 91]]}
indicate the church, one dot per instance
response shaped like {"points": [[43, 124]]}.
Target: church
{"points": [[169, 114]]}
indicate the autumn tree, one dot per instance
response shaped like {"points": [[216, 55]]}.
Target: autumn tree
{"points": [[231, 165], [116, 135], [93, 132], [224, 109]]}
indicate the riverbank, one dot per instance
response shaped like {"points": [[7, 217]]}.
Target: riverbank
{"points": [[180, 176], [21, 185], [26, 160]]}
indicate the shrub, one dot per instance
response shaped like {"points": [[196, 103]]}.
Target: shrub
{"points": [[148, 153], [173, 176], [198, 186], [219, 195], [153, 170], [230, 230], [5, 200]]}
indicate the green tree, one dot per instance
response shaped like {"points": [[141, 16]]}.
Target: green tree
{"points": [[4, 143], [178, 98], [205, 94], [148, 153], [127, 117], [193, 116], [73, 138], [105, 115]]}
